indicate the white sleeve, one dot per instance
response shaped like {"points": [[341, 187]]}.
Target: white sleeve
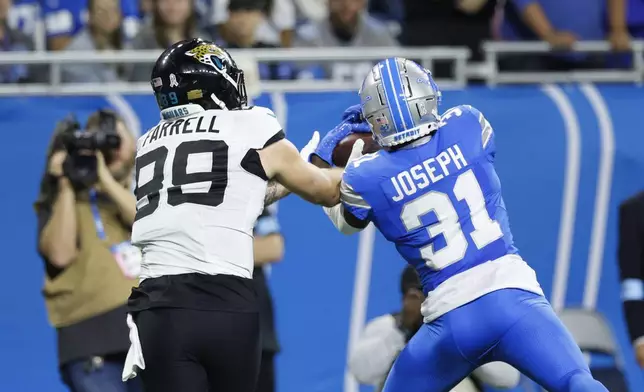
{"points": [[498, 375], [375, 351], [336, 215]]}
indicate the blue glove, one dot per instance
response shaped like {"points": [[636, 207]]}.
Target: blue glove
{"points": [[353, 114], [325, 149]]}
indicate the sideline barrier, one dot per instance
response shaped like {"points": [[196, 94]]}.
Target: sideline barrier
{"points": [[352, 59], [578, 146]]}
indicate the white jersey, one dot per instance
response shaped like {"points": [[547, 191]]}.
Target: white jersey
{"points": [[200, 188]]}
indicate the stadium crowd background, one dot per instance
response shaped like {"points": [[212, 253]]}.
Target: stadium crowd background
{"points": [[85, 25], [95, 25]]}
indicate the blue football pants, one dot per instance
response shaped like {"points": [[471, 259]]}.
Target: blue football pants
{"points": [[510, 325]]}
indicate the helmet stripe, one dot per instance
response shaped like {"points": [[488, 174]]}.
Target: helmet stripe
{"points": [[408, 119], [390, 94]]}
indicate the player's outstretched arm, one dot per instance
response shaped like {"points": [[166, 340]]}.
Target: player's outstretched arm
{"points": [[343, 220], [282, 162], [276, 191]]}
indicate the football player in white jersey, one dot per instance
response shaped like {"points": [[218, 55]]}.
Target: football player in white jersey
{"points": [[202, 179]]}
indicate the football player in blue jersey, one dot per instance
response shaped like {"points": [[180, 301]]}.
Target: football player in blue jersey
{"points": [[433, 191]]}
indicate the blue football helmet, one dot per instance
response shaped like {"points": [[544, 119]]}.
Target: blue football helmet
{"points": [[400, 100]]}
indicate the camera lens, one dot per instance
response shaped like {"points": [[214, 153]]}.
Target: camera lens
{"points": [[112, 140], [106, 140]]}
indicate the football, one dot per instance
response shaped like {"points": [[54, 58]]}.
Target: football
{"points": [[342, 151]]}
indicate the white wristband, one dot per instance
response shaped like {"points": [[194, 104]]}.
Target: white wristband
{"points": [[336, 215]]}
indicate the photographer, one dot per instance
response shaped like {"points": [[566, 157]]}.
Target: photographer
{"points": [[85, 213]]}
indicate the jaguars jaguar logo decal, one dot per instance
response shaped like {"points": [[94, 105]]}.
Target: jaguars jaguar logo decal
{"points": [[211, 55], [215, 57]]}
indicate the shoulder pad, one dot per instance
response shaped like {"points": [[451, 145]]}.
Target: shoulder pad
{"points": [[486, 128], [469, 111], [364, 160], [461, 110], [358, 169], [261, 110], [262, 125]]}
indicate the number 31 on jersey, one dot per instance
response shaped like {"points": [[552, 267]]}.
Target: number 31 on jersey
{"points": [[486, 230]]}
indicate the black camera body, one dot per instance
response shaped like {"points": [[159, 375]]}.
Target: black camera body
{"points": [[80, 166]]}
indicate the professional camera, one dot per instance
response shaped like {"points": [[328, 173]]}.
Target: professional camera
{"points": [[81, 146]]}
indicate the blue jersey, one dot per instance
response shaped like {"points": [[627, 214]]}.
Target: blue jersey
{"points": [[439, 201]]}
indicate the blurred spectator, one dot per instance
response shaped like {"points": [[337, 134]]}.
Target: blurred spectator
{"points": [[203, 10], [85, 213], [635, 18], [387, 9], [103, 32], [447, 23], [391, 12], [634, 26], [276, 28], [618, 33], [146, 10], [65, 18], [631, 265], [551, 21], [311, 10], [385, 336], [462, 23], [240, 30], [282, 17], [268, 248], [172, 21], [12, 40], [347, 25]]}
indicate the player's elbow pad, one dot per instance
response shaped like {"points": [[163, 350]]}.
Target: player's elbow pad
{"points": [[336, 215]]}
